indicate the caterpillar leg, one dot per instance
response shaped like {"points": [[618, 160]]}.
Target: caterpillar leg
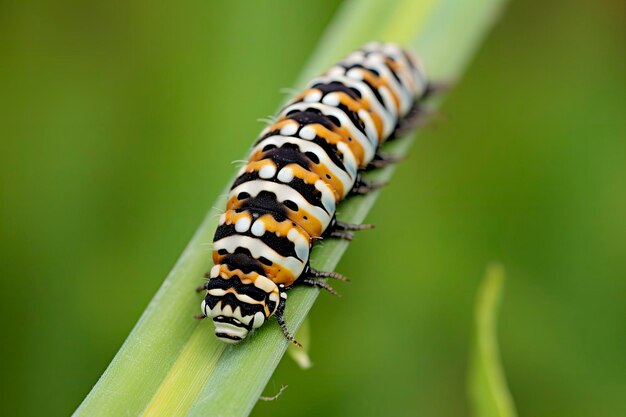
{"points": [[381, 160], [313, 278], [314, 273], [341, 234], [363, 186], [280, 317], [344, 230], [312, 282], [202, 287], [416, 117], [436, 88], [339, 225]]}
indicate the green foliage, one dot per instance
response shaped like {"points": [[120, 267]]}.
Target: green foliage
{"points": [[489, 394], [171, 366], [119, 124]]}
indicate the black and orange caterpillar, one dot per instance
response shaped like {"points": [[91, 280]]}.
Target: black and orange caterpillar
{"points": [[300, 168]]}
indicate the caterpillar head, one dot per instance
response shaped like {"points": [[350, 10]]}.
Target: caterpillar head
{"points": [[238, 302]]}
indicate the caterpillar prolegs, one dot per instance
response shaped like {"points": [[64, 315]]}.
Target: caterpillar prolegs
{"points": [[300, 168]]}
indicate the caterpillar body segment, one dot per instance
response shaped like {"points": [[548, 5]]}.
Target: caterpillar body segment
{"points": [[300, 168]]}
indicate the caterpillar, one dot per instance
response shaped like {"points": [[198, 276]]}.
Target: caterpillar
{"points": [[299, 169]]}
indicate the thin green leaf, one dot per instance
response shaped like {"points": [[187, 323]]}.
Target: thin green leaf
{"points": [[489, 394], [172, 366]]}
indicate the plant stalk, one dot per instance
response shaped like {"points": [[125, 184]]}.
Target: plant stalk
{"points": [[171, 365]]}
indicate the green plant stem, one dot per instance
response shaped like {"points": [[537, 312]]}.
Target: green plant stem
{"points": [[488, 392], [171, 365]]}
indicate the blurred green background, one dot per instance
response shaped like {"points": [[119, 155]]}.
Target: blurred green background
{"points": [[119, 124]]}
